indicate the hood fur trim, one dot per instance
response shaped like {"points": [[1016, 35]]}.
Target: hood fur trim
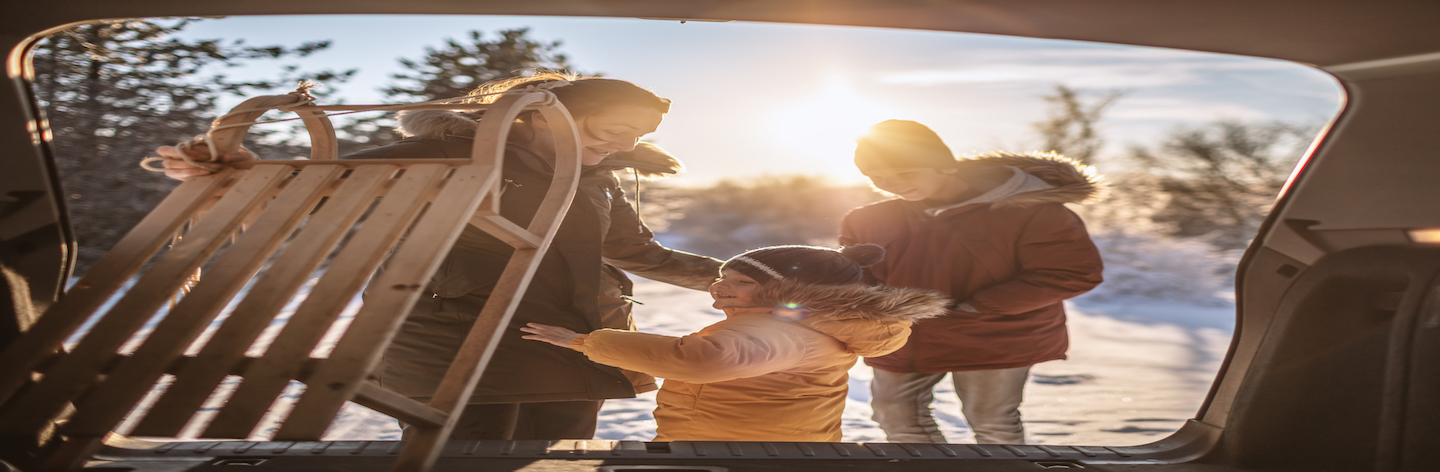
{"points": [[1073, 181], [434, 124], [852, 301], [648, 160]]}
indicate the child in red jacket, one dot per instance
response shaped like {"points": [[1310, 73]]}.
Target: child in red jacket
{"points": [[992, 233]]}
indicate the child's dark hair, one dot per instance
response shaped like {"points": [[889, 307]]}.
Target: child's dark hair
{"points": [[807, 264]]}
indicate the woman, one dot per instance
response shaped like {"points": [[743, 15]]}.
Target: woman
{"points": [[530, 391], [796, 319]]}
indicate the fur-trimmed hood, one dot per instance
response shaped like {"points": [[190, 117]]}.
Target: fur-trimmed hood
{"points": [[870, 320], [648, 160], [1037, 178]]}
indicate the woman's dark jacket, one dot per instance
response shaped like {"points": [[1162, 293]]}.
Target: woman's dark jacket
{"points": [[577, 285]]}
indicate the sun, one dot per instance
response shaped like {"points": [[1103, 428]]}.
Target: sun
{"points": [[823, 127]]}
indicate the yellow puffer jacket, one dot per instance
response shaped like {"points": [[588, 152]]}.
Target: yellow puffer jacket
{"points": [[767, 374]]}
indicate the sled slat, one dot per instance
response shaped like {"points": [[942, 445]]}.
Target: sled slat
{"points": [[397, 406], [76, 372], [200, 376], [349, 162], [107, 405], [413, 106], [104, 279], [507, 231], [394, 292], [267, 377]]}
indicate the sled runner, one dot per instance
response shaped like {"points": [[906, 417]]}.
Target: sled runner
{"points": [[272, 226]]}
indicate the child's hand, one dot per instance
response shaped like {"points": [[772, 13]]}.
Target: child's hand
{"points": [[550, 334]]}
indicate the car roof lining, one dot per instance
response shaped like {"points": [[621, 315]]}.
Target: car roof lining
{"points": [[1311, 32]]}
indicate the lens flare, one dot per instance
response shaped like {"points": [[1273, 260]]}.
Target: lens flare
{"points": [[823, 127], [790, 311]]}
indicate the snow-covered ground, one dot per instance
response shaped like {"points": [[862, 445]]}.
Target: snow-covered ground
{"points": [[1137, 371]]}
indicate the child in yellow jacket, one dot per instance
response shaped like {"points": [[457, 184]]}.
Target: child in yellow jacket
{"points": [[776, 369]]}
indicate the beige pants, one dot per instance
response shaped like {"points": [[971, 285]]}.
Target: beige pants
{"points": [[989, 399]]}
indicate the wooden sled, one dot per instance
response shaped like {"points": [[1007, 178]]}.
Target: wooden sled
{"points": [[262, 224]]}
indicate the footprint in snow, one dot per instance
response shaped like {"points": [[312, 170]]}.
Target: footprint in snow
{"points": [[1061, 379]]}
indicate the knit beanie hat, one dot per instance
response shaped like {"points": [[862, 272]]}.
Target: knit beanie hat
{"points": [[899, 144], [806, 264]]}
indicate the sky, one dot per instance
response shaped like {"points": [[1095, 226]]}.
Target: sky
{"points": [[756, 99]]}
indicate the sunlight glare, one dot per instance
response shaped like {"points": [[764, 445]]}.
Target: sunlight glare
{"points": [[1425, 235], [823, 127]]}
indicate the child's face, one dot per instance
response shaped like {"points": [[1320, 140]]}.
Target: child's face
{"points": [[733, 290], [913, 183]]}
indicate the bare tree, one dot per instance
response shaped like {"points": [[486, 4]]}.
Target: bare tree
{"points": [[453, 71], [1223, 178], [1069, 127]]}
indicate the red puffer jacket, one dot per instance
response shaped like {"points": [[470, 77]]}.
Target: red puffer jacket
{"points": [[1013, 254]]}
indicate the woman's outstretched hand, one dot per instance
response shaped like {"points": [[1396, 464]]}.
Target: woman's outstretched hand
{"points": [[550, 334], [176, 167]]}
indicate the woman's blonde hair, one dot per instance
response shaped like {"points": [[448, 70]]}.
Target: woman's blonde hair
{"points": [[584, 96]]}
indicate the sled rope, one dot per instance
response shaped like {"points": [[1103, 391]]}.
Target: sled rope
{"points": [[302, 93]]}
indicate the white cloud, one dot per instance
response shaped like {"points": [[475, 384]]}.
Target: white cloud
{"points": [[1087, 68]]}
